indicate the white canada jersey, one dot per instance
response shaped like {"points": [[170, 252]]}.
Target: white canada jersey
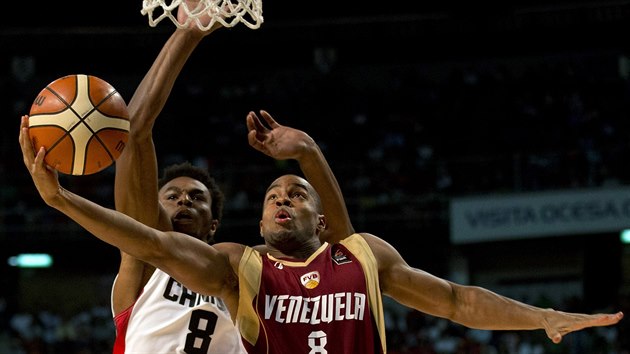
{"points": [[169, 318]]}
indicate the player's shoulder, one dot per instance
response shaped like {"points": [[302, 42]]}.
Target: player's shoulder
{"points": [[368, 240], [357, 238], [230, 249], [361, 235], [262, 249]]}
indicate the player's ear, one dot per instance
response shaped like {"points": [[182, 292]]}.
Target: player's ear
{"points": [[214, 225], [321, 225]]}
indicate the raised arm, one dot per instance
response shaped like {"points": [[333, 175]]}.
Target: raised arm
{"points": [[201, 267], [136, 181], [472, 306], [136, 190], [282, 143]]}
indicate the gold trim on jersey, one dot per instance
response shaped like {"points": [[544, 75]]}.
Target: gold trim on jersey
{"points": [[250, 270], [357, 245], [300, 263]]}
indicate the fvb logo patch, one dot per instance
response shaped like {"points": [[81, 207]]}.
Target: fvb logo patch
{"points": [[310, 280]]}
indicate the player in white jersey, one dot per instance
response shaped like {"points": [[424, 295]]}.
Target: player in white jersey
{"points": [[168, 318], [153, 313]]}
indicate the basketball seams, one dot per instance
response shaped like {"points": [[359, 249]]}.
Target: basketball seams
{"points": [[89, 127], [65, 121]]}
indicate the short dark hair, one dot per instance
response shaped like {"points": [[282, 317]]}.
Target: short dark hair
{"points": [[186, 169]]}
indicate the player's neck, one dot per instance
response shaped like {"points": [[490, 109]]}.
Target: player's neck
{"points": [[299, 252]]}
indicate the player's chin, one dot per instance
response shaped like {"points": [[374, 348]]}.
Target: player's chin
{"points": [[186, 227]]}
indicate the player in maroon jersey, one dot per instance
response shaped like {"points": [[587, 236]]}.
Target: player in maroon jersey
{"points": [[297, 295]]}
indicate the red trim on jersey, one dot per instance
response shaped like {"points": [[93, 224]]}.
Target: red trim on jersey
{"points": [[122, 322]]}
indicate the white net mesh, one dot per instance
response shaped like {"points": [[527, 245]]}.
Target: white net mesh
{"points": [[228, 12]]}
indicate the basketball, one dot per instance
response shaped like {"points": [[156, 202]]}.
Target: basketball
{"points": [[83, 123]]}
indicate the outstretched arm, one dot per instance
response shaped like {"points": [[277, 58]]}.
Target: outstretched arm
{"points": [[282, 143], [199, 266], [472, 306], [136, 181]]}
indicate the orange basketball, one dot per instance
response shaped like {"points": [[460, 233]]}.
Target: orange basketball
{"points": [[83, 123]]}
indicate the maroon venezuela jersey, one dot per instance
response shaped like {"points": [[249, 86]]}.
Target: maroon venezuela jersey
{"points": [[329, 303]]}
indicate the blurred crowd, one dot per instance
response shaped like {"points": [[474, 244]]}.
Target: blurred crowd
{"points": [[88, 332]]}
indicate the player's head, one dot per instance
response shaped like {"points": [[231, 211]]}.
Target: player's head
{"points": [[193, 200], [292, 213]]}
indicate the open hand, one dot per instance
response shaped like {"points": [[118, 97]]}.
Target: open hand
{"points": [[277, 141], [557, 327]]}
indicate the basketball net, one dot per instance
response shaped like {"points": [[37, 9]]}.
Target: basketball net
{"points": [[228, 12]]}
